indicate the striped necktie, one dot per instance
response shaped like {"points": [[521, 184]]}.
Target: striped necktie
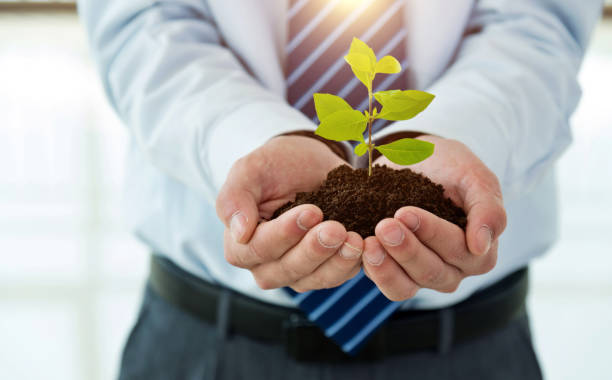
{"points": [[320, 32]]}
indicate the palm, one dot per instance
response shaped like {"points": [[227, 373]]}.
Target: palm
{"points": [[449, 166]]}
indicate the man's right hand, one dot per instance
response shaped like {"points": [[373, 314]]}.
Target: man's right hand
{"points": [[296, 249]]}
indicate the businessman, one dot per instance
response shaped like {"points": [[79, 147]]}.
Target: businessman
{"points": [[217, 96]]}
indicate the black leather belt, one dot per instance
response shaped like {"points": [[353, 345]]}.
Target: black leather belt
{"points": [[406, 330]]}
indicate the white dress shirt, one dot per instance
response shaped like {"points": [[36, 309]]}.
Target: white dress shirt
{"points": [[200, 83]]}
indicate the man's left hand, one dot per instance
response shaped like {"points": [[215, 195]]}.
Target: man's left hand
{"points": [[416, 249]]}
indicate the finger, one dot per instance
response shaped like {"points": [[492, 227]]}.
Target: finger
{"points": [[420, 263], [390, 278], [441, 236], [446, 239], [273, 238], [486, 215], [236, 204], [339, 268], [316, 247]]}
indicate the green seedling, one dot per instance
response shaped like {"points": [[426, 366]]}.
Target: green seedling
{"points": [[340, 122]]}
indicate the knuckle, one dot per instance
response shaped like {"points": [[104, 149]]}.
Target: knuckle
{"points": [[408, 254], [284, 231], [344, 276], [429, 232], [498, 215], [284, 228], [240, 166], [339, 280], [458, 256], [354, 272], [318, 280], [335, 283], [251, 165], [251, 161], [315, 252], [220, 204], [403, 294], [343, 265], [395, 297], [489, 262], [255, 252], [451, 287], [289, 271], [486, 265], [299, 288], [233, 259], [503, 220], [383, 278], [411, 291], [265, 283], [494, 187], [433, 276]]}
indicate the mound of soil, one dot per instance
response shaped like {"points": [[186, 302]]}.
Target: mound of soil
{"points": [[359, 202]]}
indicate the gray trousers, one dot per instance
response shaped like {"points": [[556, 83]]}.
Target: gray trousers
{"points": [[170, 344]]}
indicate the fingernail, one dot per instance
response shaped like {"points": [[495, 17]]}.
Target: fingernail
{"points": [[328, 240], [306, 220], [375, 257], [484, 238], [393, 234], [349, 252], [238, 225], [411, 221]]}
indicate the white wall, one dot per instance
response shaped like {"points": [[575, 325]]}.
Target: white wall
{"points": [[571, 299]]}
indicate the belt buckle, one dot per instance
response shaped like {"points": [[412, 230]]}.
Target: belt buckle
{"points": [[301, 338], [304, 341]]}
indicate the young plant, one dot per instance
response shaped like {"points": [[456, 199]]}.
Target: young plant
{"points": [[340, 122]]}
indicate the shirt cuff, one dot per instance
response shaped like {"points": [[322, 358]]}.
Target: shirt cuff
{"points": [[342, 149]]}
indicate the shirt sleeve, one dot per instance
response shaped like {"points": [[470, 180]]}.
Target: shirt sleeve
{"points": [[191, 105], [512, 87]]}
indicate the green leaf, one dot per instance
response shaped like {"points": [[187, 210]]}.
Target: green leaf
{"points": [[388, 65], [364, 78], [359, 62], [343, 125], [360, 48], [327, 104], [362, 60], [406, 151], [402, 105], [361, 149]]}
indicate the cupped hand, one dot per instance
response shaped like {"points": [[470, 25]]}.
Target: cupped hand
{"points": [[416, 249], [295, 249]]}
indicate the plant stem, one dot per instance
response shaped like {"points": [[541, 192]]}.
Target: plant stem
{"points": [[370, 148]]}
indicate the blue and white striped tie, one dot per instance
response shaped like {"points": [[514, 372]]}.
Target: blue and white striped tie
{"points": [[320, 32], [348, 314]]}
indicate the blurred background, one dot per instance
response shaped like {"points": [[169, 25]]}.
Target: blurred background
{"points": [[71, 275]]}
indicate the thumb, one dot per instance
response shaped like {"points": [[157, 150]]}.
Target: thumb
{"points": [[237, 208], [486, 218]]}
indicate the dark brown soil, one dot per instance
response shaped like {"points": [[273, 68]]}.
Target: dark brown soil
{"points": [[359, 203]]}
